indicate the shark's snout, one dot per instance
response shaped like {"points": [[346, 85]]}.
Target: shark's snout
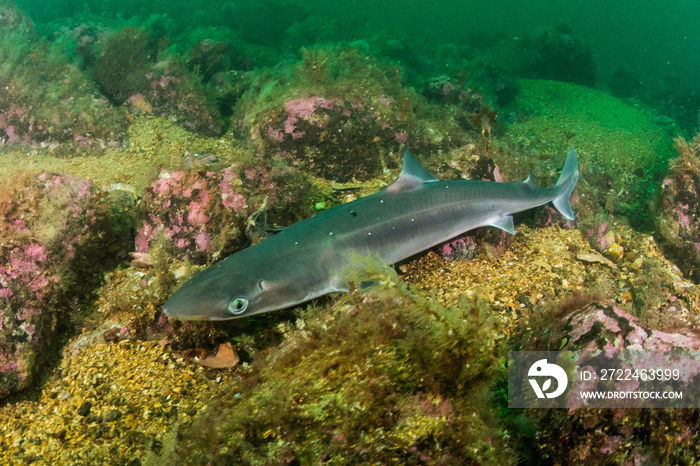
{"points": [[199, 300], [193, 313], [184, 309]]}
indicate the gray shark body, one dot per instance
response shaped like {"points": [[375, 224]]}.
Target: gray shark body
{"points": [[308, 259]]}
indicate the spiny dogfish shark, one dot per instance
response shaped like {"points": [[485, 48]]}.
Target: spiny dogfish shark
{"points": [[310, 258]]}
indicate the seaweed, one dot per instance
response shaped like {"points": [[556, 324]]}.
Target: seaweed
{"points": [[384, 376]]}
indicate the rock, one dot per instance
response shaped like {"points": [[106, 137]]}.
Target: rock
{"points": [[604, 326], [335, 139], [141, 260], [203, 213], [678, 208], [616, 252], [84, 408], [318, 119], [595, 258], [58, 234], [68, 118], [621, 435], [112, 415], [225, 357], [182, 207]]}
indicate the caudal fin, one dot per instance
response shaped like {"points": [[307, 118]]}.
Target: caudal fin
{"points": [[567, 181]]}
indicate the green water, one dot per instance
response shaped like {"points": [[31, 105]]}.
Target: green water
{"points": [[646, 52], [653, 39]]}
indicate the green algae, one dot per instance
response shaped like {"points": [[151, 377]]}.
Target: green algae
{"points": [[45, 99], [328, 71], [385, 377], [622, 152], [154, 144], [370, 91], [125, 60]]}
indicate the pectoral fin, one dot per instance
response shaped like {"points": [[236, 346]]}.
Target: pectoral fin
{"points": [[505, 223]]}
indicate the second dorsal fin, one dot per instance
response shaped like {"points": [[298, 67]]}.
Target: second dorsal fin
{"points": [[413, 175]]}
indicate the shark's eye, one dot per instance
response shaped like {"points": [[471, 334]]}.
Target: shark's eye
{"points": [[237, 306]]}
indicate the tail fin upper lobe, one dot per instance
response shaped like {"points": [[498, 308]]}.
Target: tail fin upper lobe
{"points": [[567, 181]]}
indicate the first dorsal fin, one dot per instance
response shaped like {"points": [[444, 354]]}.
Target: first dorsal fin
{"points": [[413, 175]]}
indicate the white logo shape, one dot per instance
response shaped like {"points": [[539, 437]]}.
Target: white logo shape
{"points": [[544, 369]]}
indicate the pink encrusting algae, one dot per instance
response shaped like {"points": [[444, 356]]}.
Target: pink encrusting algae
{"points": [[176, 95], [678, 207], [40, 242], [331, 137], [229, 197], [192, 209], [46, 101]]}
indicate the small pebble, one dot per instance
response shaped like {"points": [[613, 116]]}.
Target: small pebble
{"points": [[84, 409]]}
